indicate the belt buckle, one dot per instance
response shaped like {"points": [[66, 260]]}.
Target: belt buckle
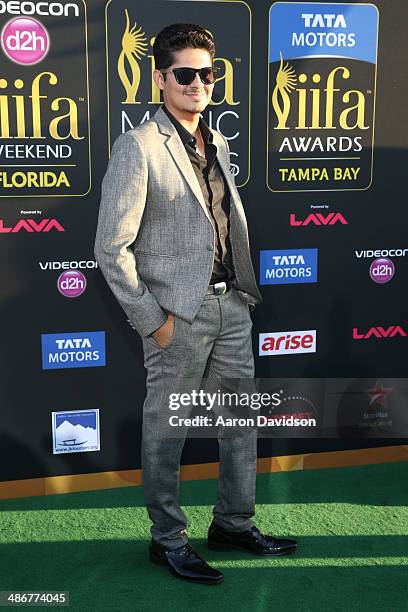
{"points": [[222, 286]]}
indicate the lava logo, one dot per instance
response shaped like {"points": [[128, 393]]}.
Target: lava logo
{"points": [[321, 100], [133, 94], [32, 227], [290, 266], [71, 283], [287, 343], [382, 270], [379, 332], [76, 431], [317, 219], [73, 350]]}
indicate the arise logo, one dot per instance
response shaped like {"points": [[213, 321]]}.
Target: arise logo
{"points": [[379, 332], [31, 226], [287, 343], [317, 219]]}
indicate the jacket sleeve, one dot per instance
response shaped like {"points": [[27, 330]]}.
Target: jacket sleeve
{"points": [[124, 190]]}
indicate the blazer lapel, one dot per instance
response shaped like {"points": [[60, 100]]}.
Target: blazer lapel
{"points": [[223, 159], [179, 154]]}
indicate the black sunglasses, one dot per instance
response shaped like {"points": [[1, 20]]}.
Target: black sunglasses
{"points": [[185, 76]]}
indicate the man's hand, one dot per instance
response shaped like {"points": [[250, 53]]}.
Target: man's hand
{"points": [[164, 333]]}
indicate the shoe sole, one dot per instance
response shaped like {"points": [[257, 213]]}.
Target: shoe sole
{"points": [[162, 563], [227, 547]]}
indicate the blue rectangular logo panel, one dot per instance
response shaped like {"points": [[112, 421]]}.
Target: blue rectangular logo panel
{"points": [[303, 30], [73, 350], [288, 266], [321, 96]]}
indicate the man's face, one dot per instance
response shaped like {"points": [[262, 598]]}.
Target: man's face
{"points": [[185, 99]]}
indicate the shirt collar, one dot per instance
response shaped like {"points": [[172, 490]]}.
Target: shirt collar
{"points": [[186, 137]]}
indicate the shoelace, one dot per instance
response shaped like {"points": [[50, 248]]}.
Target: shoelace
{"points": [[265, 540], [184, 551]]}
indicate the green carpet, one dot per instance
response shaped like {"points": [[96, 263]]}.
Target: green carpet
{"points": [[351, 523]]}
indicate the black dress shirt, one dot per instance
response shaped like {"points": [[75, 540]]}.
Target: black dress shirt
{"points": [[215, 191]]}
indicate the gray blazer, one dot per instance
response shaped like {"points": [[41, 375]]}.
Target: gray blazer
{"points": [[155, 240]]}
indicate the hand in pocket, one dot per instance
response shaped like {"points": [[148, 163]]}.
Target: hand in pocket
{"points": [[164, 334]]}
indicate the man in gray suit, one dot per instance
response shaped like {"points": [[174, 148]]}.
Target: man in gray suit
{"points": [[172, 243]]}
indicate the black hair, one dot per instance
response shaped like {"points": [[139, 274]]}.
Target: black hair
{"points": [[177, 37]]}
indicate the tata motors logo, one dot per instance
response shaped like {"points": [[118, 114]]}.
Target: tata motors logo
{"points": [[289, 266], [73, 350], [44, 100], [133, 96], [287, 343], [75, 431], [321, 96], [378, 332]]}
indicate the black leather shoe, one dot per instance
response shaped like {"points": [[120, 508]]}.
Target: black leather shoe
{"points": [[184, 563], [252, 540]]}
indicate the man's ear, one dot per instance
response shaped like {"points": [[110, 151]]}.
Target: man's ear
{"points": [[158, 78]]}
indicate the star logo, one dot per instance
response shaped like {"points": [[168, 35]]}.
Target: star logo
{"points": [[378, 394]]}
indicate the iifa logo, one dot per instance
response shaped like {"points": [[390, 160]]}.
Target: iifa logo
{"points": [[38, 120], [290, 266], [321, 114], [133, 94], [321, 96], [29, 107], [75, 431], [135, 46], [73, 350]]}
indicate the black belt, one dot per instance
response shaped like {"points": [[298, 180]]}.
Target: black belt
{"points": [[218, 288]]}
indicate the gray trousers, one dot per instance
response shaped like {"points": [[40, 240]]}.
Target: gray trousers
{"points": [[217, 344]]}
